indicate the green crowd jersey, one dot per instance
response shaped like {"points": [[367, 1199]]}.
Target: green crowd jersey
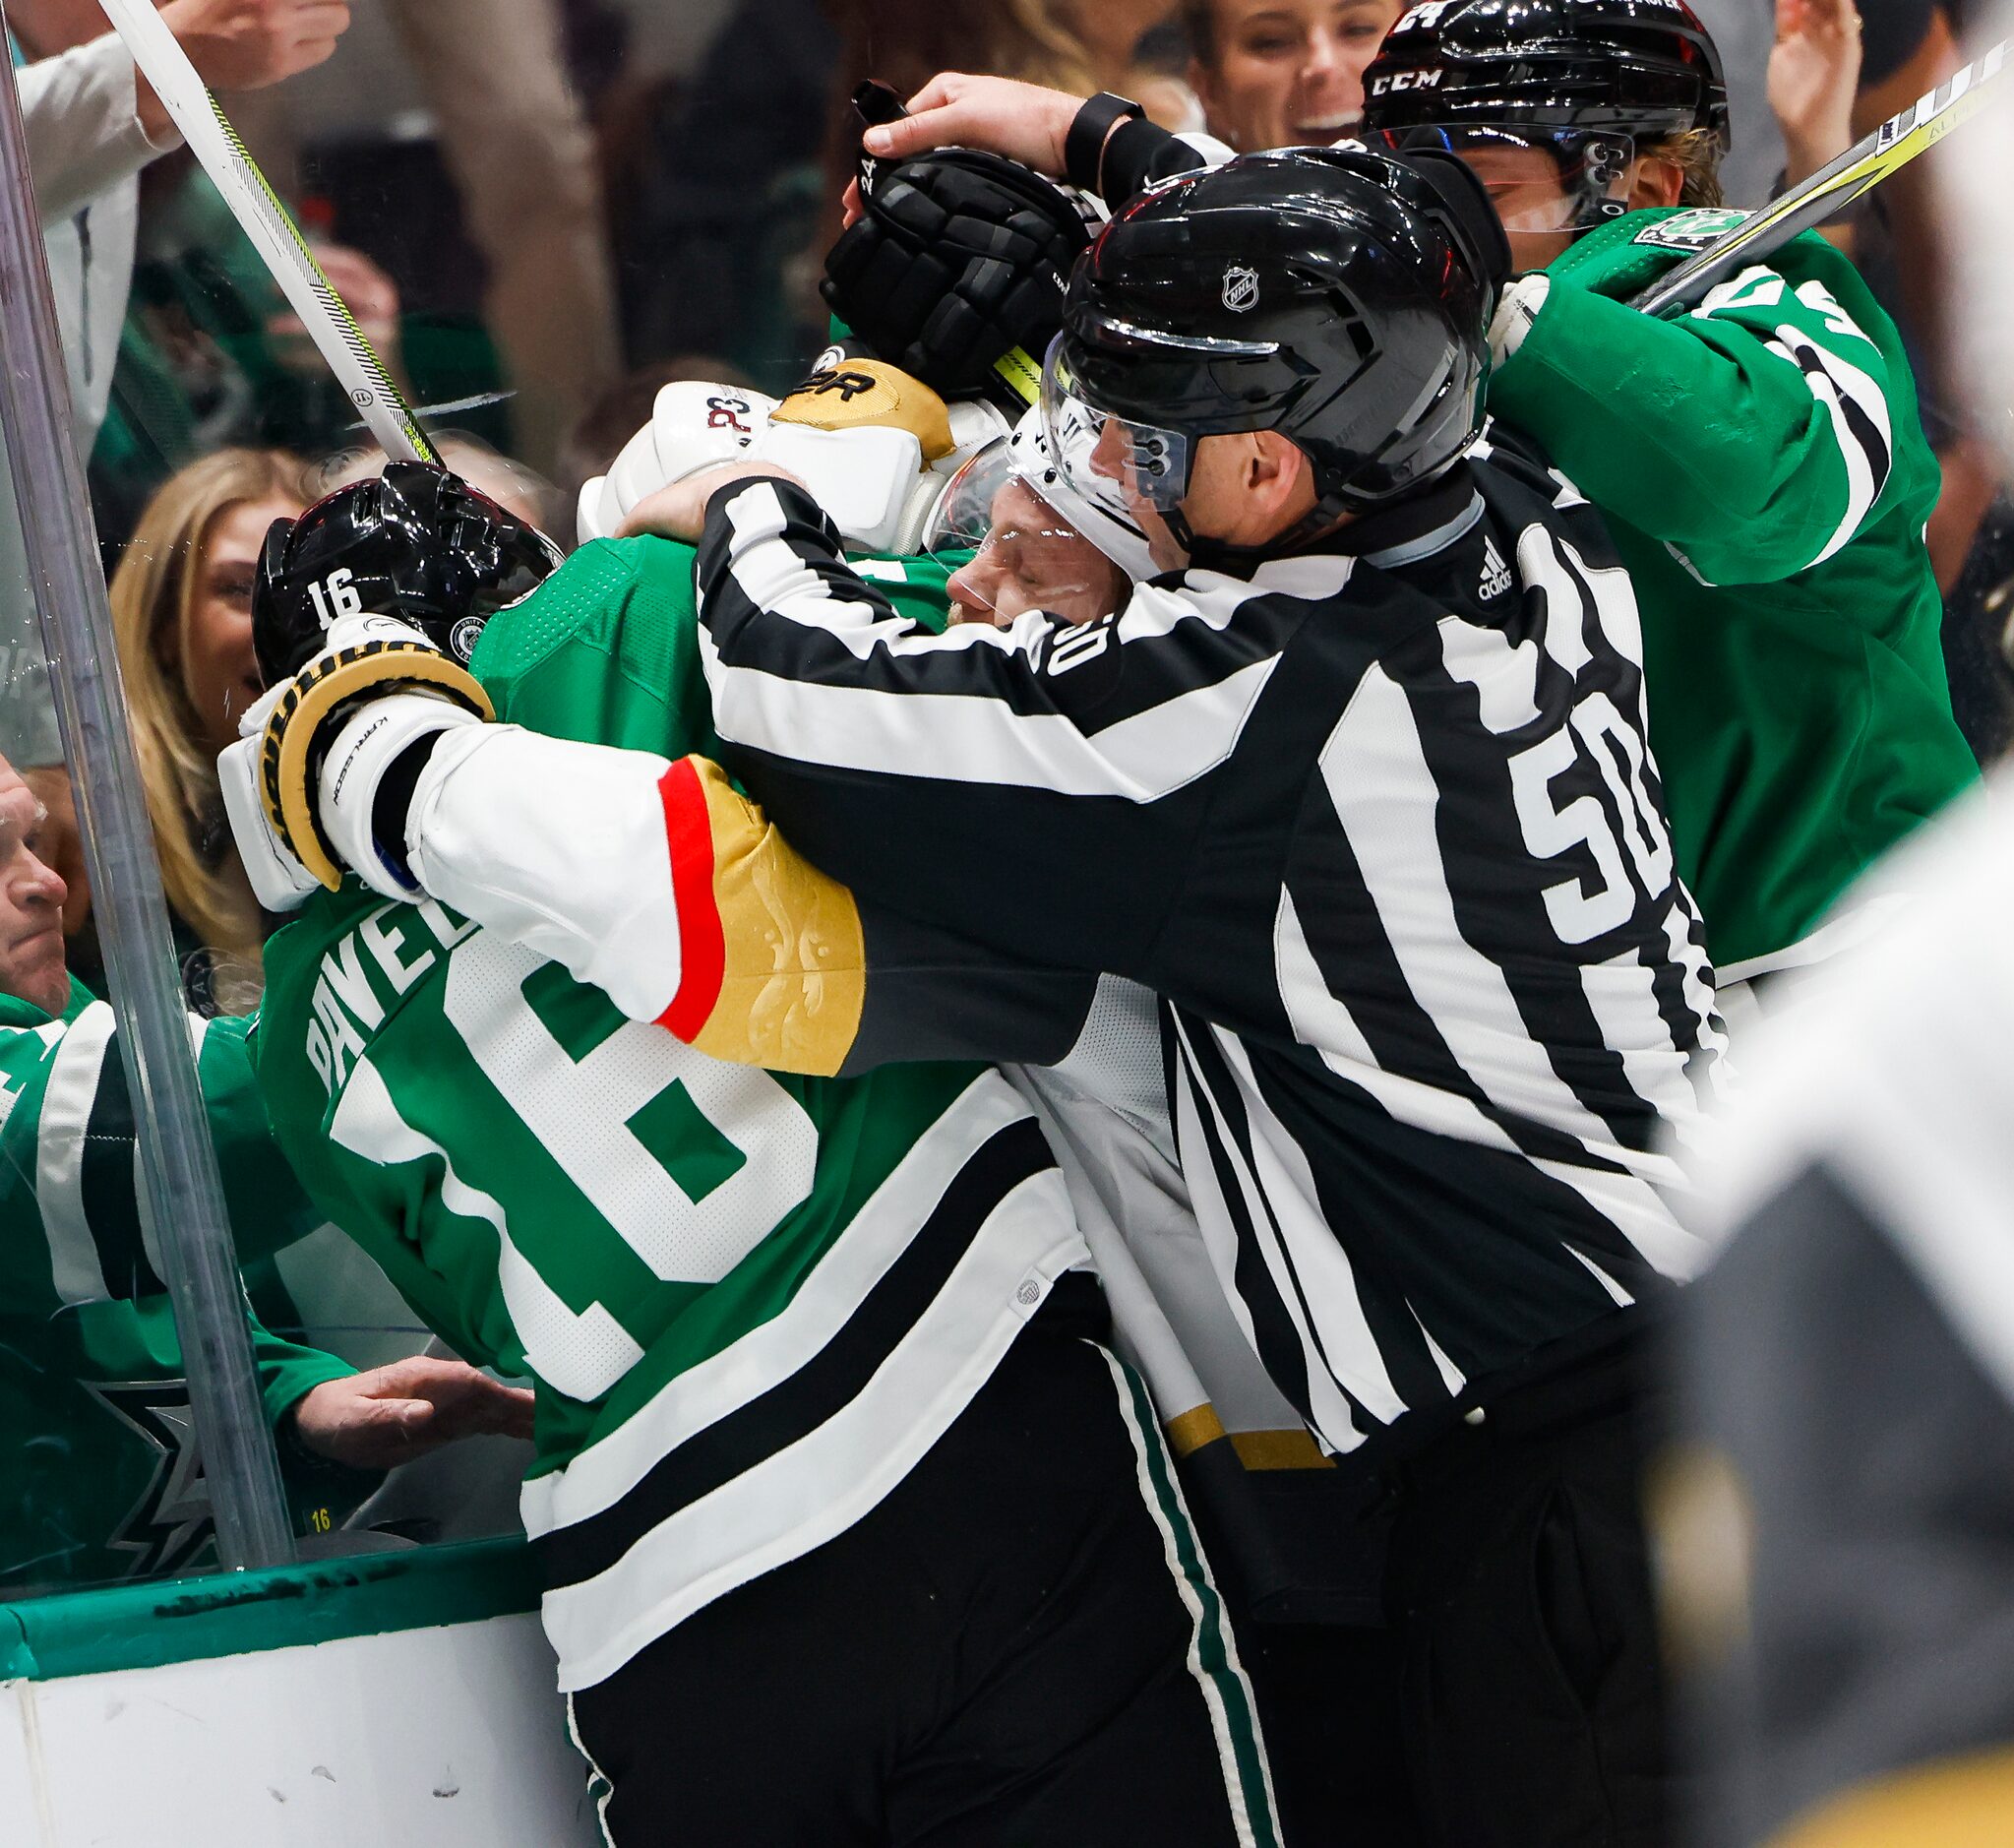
{"points": [[101, 1478], [751, 1303], [1764, 473]]}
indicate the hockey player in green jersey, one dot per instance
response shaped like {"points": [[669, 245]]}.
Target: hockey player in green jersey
{"points": [[101, 1476], [824, 1427], [1759, 460]]}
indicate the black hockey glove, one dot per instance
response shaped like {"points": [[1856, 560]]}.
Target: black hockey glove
{"points": [[957, 264]]}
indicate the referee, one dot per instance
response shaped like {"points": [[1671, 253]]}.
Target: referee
{"points": [[1359, 785]]}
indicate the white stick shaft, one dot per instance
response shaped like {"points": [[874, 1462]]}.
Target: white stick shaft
{"points": [[273, 231]]}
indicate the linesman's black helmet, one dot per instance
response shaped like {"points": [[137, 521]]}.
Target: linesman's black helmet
{"points": [[1642, 67], [1337, 295]]}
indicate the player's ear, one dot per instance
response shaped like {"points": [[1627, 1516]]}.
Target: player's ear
{"points": [[1656, 182], [1274, 468]]}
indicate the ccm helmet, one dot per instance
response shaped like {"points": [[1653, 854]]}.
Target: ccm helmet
{"points": [[1337, 295], [1588, 81], [415, 542]]}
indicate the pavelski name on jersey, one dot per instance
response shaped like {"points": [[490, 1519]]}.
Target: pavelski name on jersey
{"points": [[346, 1005]]}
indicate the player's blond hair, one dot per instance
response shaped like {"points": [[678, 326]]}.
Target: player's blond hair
{"points": [[154, 597], [1696, 155]]}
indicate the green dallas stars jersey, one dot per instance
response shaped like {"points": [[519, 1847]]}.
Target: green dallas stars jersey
{"points": [[750, 1302], [100, 1478], [1764, 473]]}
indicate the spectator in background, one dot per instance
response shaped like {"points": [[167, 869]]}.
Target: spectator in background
{"points": [[1283, 73], [182, 613], [1814, 72], [514, 138], [1079, 46], [92, 124], [1911, 47], [101, 1478], [493, 79], [210, 357]]}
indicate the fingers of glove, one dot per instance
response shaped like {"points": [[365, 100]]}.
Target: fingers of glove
{"points": [[906, 205], [893, 293], [364, 749], [279, 882], [957, 339], [1515, 315], [850, 254], [597, 513], [252, 721], [693, 425]]}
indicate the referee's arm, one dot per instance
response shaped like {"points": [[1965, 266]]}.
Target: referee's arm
{"points": [[1038, 788]]}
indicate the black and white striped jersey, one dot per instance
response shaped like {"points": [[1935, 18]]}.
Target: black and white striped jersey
{"points": [[1379, 823]]}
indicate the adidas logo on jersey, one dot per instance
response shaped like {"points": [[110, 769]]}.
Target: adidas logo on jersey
{"points": [[1495, 573]]}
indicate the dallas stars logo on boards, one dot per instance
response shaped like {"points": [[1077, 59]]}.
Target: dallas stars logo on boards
{"points": [[172, 1521]]}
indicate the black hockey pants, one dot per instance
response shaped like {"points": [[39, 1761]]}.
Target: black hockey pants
{"points": [[1020, 1648]]}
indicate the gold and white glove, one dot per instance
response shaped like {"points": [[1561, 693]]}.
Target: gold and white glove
{"points": [[313, 787], [874, 447]]}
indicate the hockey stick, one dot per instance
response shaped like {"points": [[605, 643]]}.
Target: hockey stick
{"points": [[273, 231], [1836, 185]]}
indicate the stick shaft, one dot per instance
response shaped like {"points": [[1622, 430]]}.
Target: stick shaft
{"points": [[1835, 185], [272, 229]]}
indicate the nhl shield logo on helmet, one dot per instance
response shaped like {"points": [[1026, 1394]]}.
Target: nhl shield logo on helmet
{"points": [[1240, 288]]}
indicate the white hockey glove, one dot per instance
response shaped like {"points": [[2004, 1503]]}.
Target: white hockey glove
{"points": [[693, 425], [302, 787], [874, 447], [1516, 309]]}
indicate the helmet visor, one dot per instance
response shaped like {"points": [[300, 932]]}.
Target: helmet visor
{"points": [[963, 514], [1121, 467], [1537, 179], [1008, 551]]}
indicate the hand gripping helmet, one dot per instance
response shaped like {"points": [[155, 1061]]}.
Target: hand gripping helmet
{"points": [[957, 263], [415, 542], [1337, 295], [1587, 79]]}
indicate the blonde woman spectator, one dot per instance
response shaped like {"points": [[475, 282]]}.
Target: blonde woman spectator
{"points": [[1283, 73], [1078, 45], [182, 614]]}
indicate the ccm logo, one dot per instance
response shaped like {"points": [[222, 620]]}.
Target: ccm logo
{"points": [[1405, 80]]}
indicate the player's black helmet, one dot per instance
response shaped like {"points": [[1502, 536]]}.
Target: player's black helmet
{"points": [[1586, 81], [1337, 295], [959, 259], [415, 542], [1641, 67]]}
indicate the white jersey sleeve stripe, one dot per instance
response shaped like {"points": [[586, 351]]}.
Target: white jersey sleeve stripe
{"points": [[1460, 989], [1139, 759], [1859, 423], [74, 1263]]}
